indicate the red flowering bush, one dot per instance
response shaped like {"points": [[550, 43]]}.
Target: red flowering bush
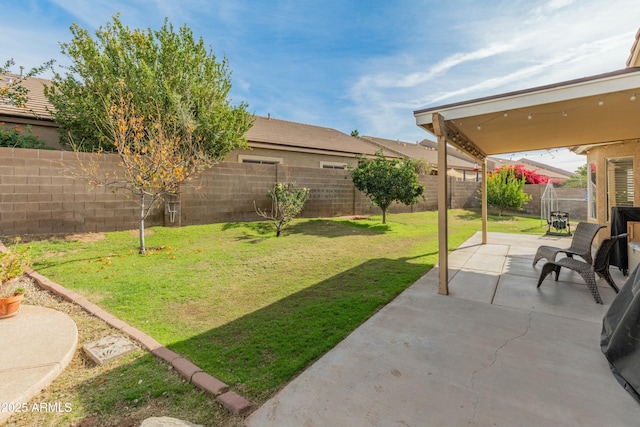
{"points": [[519, 172]]}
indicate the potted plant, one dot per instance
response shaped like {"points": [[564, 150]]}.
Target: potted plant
{"points": [[13, 263]]}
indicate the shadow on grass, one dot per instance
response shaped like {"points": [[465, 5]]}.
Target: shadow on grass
{"points": [[43, 265], [257, 231], [337, 228], [258, 227], [260, 352]]}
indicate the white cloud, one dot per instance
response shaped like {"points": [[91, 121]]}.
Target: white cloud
{"points": [[499, 51]]}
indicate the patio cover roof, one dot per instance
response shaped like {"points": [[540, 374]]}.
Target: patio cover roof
{"points": [[593, 110]]}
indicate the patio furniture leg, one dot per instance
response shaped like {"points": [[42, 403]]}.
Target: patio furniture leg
{"points": [[590, 278], [607, 276], [546, 269]]}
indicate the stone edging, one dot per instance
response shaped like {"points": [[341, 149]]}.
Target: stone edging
{"points": [[233, 402]]}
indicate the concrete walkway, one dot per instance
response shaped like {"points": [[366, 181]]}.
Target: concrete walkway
{"points": [[36, 345], [496, 352]]}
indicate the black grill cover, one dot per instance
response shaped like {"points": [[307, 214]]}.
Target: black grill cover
{"points": [[620, 337]]}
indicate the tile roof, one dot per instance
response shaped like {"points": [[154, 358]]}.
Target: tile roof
{"points": [[37, 103], [419, 151], [635, 51], [452, 150], [268, 132]]}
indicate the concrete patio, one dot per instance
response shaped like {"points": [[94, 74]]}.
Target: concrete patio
{"points": [[496, 352]]}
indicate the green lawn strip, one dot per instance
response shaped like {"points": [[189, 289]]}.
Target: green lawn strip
{"points": [[251, 309]]}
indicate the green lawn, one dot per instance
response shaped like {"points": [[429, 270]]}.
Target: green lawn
{"points": [[251, 309]]}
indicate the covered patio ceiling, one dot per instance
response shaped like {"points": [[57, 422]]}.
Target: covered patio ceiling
{"points": [[594, 110]]}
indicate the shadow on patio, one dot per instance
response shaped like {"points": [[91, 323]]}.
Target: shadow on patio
{"points": [[496, 351]]}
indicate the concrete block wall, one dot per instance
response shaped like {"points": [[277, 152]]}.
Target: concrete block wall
{"points": [[571, 200], [39, 194]]}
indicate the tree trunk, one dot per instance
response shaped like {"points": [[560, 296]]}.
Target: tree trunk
{"points": [[384, 216], [142, 250]]}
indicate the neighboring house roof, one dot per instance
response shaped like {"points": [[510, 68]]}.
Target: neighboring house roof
{"points": [[452, 150], [37, 103], [540, 168], [634, 56], [418, 151], [271, 133]]}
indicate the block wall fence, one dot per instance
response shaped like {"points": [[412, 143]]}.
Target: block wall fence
{"points": [[39, 195]]}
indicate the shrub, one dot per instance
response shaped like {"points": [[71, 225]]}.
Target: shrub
{"points": [[287, 202], [13, 263], [505, 190], [19, 138]]}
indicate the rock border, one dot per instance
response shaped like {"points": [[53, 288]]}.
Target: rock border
{"points": [[233, 402]]}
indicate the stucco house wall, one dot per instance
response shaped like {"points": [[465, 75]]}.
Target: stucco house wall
{"points": [[302, 159], [599, 155]]}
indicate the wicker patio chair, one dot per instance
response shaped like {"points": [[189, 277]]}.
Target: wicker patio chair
{"points": [[588, 271], [581, 242]]}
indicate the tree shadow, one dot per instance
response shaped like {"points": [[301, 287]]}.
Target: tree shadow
{"points": [[260, 352], [338, 227]]}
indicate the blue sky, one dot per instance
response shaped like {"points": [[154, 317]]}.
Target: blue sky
{"points": [[363, 65]]}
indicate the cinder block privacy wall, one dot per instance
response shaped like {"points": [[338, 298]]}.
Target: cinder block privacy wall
{"points": [[39, 194]]}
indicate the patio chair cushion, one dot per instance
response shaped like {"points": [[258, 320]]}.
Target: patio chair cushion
{"points": [[587, 271], [580, 244]]}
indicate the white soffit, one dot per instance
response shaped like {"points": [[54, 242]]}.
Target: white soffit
{"points": [[624, 80]]}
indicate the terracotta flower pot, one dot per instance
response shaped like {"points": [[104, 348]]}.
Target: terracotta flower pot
{"points": [[9, 306]]}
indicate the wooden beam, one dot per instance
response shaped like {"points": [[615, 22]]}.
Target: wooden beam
{"points": [[459, 140], [440, 129], [484, 201]]}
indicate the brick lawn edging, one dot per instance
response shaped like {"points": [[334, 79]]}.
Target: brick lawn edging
{"points": [[233, 402]]}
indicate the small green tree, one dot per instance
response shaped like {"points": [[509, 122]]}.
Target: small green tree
{"points": [[287, 202], [505, 190], [386, 181]]}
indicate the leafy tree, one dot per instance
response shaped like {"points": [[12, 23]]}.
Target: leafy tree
{"points": [[505, 190], [287, 202], [387, 180], [166, 72], [157, 98], [154, 160], [355, 133]]}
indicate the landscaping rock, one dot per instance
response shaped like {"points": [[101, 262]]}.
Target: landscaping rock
{"points": [[167, 422]]}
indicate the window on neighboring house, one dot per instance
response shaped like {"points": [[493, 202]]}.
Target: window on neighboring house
{"points": [[259, 160], [332, 165], [619, 183], [591, 192]]}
